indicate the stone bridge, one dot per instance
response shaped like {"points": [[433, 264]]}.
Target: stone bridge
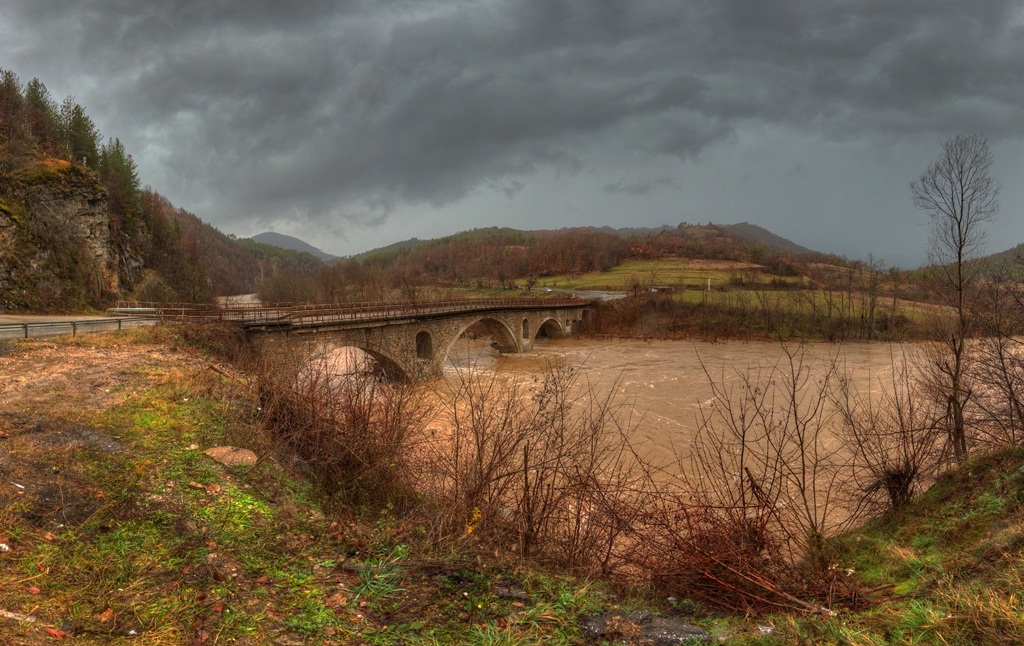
{"points": [[408, 340]]}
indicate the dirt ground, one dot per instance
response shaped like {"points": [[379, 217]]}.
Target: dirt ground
{"points": [[63, 378], [45, 391]]}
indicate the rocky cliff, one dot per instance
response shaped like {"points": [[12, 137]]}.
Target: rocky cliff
{"points": [[55, 246]]}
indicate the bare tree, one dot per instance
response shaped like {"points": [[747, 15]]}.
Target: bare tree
{"points": [[896, 278], [872, 287], [1000, 365], [959, 196], [743, 523], [892, 443]]}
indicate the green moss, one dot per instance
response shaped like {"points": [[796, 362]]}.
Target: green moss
{"points": [[58, 176], [13, 210]]}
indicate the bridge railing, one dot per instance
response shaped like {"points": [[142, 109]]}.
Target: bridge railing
{"points": [[297, 315], [157, 305], [321, 313]]}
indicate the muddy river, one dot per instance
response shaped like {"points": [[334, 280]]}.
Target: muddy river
{"points": [[665, 381]]}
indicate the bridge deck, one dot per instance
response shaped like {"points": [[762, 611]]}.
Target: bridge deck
{"points": [[299, 316]]}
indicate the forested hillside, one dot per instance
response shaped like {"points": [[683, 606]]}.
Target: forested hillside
{"points": [[78, 229]]}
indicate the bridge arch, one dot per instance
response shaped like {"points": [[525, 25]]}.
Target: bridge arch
{"points": [[388, 365], [503, 335], [551, 328], [414, 344]]}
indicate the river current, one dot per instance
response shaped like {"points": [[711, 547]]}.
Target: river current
{"points": [[666, 382]]}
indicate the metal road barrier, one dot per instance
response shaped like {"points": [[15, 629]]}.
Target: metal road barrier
{"points": [[74, 328]]}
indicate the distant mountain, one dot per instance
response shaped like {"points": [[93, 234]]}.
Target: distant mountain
{"points": [[398, 246], [750, 233], [294, 244], [761, 235]]}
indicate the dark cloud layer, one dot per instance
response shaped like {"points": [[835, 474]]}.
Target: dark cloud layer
{"points": [[322, 110]]}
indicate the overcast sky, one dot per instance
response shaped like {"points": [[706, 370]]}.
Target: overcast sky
{"points": [[356, 124]]}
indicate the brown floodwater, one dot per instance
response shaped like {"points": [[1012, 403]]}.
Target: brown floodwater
{"points": [[664, 382]]}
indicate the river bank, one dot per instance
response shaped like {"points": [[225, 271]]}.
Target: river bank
{"points": [[747, 314], [122, 530]]}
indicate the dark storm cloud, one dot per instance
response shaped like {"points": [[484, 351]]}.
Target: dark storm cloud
{"points": [[638, 187], [309, 109]]}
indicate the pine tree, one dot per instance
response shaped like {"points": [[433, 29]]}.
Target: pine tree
{"points": [[81, 138], [42, 115], [11, 103], [120, 176]]}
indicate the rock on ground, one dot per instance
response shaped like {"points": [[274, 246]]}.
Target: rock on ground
{"points": [[232, 456], [642, 628]]}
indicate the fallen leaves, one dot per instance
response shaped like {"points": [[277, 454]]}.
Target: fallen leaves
{"points": [[33, 590], [336, 600], [106, 616]]}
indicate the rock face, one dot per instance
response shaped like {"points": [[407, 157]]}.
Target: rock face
{"points": [[47, 201]]}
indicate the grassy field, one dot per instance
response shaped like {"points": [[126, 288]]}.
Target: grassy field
{"points": [[807, 302], [673, 272]]}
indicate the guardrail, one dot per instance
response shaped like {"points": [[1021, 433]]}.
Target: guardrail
{"points": [[74, 328], [311, 315]]}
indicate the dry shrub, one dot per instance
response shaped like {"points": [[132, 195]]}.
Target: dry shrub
{"points": [[894, 444], [225, 341], [539, 466], [744, 524], [356, 431], [999, 368]]}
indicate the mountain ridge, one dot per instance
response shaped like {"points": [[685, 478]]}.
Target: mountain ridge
{"points": [[751, 232], [292, 243]]}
